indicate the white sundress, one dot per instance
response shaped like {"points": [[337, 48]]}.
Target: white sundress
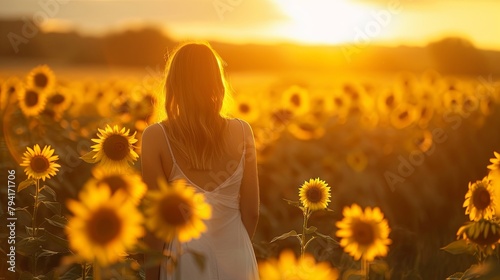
{"points": [[226, 246]]}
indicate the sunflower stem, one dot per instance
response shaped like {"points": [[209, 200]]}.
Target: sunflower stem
{"points": [[84, 271], [97, 271], [365, 268], [34, 228], [303, 243]]}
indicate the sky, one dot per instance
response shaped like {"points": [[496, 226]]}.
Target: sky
{"points": [[357, 22]]}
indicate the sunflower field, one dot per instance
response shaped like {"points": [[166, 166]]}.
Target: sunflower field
{"points": [[361, 177]]}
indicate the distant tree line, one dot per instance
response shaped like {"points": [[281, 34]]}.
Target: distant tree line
{"points": [[149, 46]]}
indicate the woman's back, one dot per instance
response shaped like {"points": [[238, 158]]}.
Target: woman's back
{"points": [[226, 244], [215, 155]]}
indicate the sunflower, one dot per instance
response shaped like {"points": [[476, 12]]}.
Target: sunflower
{"points": [[31, 101], [306, 129], [296, 99], [131, 184], [59, 100], [247, 109], [388, 100], [364, 233], [40, 164], [104, 226], [9, 88], [176, 211], [484, 233], [41, 78], [494, 167], [480, 200], [288, 267], [421, 140], [315, 194], [357, 160], [402, 116], [114, 148]]}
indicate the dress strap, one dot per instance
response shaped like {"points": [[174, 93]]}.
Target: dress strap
{"points": [[168, 142], [244, 144]]}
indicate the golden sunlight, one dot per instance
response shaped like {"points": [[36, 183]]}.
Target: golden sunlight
{"points": [[321, 21]]}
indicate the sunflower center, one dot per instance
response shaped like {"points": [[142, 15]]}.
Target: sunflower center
{"points": [[57, 99], [115, 182], [295, 99], [104, 226], [314, 194], [175, 210], [41, 80], [244, 108], [39, 164], [362, 233], [338, 101], [481, 198], [389, 101], [116, 147], [403, 115], [31, 98]]}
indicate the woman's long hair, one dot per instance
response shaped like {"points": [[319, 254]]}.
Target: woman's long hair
{"points": [[195, 90]]}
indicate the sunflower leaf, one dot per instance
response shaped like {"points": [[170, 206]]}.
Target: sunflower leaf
{"points": [[324, 236], [46, 253], [311, 229], [458, 247], [49, 190], [55, 207], [89, 157], [57, 221], [285, 235], [56, 240], [293, 203], [24, 184]]}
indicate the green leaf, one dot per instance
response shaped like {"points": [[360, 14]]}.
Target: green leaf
{"points": [[28, 246], [455, 276], [50, 191], [476, 271], [56, 240], [55, 207], [24, 184], [459, 247], [47, 253], [285, 235], [311, 229], [57, 220], [293, 203], [326, 237], [89, 157]]}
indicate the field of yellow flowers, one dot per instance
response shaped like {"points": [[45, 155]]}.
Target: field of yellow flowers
{"points": [[393, 178]]}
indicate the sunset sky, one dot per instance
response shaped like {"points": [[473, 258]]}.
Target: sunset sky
{"points": [[261, 21]]}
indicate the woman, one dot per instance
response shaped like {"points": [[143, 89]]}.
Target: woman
{"points": [[215, 155]]}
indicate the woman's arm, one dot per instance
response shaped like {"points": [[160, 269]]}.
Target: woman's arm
{"points": [[249, 191], [151, 170]]}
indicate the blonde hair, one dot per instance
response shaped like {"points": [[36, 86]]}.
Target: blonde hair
{"points": [[195, 89]]}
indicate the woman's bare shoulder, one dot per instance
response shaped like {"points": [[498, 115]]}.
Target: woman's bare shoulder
{"points": [[152, 133]]}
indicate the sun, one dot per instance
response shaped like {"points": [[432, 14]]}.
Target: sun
{"points": [[321, 21]]}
